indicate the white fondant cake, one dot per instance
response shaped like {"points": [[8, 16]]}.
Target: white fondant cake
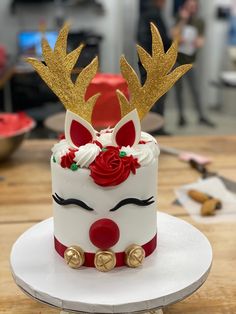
{"points": [[137, 224]]}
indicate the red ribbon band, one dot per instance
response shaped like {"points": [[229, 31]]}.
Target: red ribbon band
{"points": [[148, 247]]}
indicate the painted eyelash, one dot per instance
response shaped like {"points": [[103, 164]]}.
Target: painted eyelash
{"points": [[134, 201], [122, 203], [70, 201]]}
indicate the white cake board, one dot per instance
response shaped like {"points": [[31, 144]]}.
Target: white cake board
{"points": [[177, 269]]}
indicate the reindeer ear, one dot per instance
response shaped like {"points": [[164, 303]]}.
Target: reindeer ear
{"points": [[78, 131], [128, 131]]}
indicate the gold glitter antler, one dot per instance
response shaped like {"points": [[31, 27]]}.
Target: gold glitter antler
{"points": [[159, 76], [57, 75]]}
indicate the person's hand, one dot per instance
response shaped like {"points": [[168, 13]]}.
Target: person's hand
{"points": [[182, 41], [184, 14], [199, 42]]}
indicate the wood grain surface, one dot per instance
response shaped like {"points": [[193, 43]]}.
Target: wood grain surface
{"points": [[25, 199]]}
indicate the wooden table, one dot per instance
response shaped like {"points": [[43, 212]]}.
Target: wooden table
{"points": [[25, 199]]}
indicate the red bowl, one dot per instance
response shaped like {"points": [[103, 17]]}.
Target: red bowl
{"points": [[13, 129]]}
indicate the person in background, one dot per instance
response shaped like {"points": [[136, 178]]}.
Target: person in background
{"points": [[189, 29], [145, 40]]}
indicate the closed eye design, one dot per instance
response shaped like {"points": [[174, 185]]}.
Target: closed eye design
{"points": [[134, 201], [71, 201]]}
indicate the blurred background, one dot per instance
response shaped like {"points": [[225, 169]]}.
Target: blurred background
{"points": [[202, 103]]}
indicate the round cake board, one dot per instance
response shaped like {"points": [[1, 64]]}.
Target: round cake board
{"points": [[178, 267]]}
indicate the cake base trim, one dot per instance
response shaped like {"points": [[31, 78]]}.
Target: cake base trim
{"points": [[148, 247]]}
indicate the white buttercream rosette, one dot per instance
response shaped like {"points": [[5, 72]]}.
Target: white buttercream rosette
{"points": [[86, 155], [145, 153], [59, 150]]}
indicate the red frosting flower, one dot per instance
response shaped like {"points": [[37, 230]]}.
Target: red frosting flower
{"points": [[112, 167], [67, 160]]}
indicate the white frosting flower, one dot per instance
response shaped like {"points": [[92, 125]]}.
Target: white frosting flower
{"points": [[105, 139], [147, 137], [60, 149], [145, 153], [86, 155], [153, 146]]}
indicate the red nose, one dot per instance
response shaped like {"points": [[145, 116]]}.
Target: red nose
{"points": [[104, 233]]}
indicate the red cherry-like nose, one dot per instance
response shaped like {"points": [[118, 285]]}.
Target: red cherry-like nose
{"points": [[104, 233]]}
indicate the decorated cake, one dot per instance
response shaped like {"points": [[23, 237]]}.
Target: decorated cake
{"points": [[104, 184]]}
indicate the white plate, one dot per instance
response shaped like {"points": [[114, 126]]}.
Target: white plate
{"points": [[177, 269]]}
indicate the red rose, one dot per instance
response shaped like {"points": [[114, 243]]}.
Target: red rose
{"points": [[68, 159], [111, 167]]}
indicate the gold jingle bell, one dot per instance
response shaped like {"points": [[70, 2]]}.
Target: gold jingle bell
{"points": [[105, 260], [134, 256], [74, 256]]}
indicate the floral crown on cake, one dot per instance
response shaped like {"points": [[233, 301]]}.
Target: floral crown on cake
{"points": [[56, 71]]}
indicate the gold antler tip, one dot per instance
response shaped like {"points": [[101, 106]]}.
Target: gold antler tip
{"points": [[153, 27], [44, 41], [30, 60], [66, 26], [119, 93], [122, 59], [189, 66], [82, 45]]}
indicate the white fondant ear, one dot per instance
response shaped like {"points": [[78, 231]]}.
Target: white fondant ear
{"points": [[127, 132], [78, 131]]}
